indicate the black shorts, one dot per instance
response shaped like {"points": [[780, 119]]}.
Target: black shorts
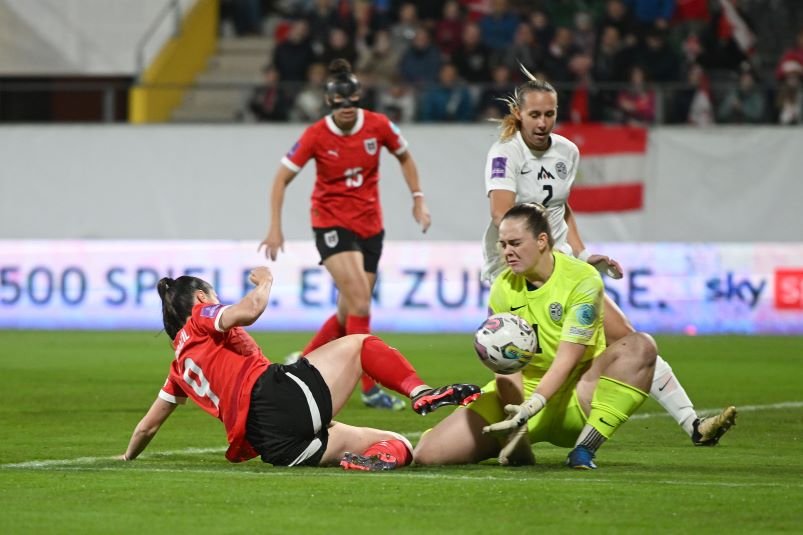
{"points": [[333, 240], [291, 409]]}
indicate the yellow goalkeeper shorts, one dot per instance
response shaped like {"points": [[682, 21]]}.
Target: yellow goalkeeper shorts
{"points": [[559, 423]]}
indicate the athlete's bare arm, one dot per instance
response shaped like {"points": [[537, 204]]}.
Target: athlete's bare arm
{"points": [[573, 236], [147, 428], [410, 173], [253, 304], [501, 200], [274, 241]]}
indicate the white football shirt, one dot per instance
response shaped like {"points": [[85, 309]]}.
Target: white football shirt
{"points": [[544, 177]]}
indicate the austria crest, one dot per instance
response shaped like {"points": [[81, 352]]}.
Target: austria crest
{"points": [[330, 239], [370, 146]]}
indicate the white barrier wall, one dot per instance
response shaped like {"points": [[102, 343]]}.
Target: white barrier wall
{"points": [[154, 182], [422, 287], [86, 37]]}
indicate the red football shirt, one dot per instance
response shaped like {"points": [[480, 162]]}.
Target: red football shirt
{"points": [[346, 192], [217, 370]]}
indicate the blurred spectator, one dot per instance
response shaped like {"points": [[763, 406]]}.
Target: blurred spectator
{"points": [[559, 51], [613, 61], [403, 32], [398, 102], [473, 58], [726, 41], [476, 9], [745, 103], [293, 56], [651, 14], [795, 54], [692, 104], [617, 15], [564, 12], [659, 60], [320, 17], [338, 45], [636, 103], [429, 11], [789, 100], [585, 38], [582, 103], [449, 29], [365, 24], [491, 104], [270, 101], [421, 62], [498, 26], [245, 14], [542, 27], [381, 60], [449, 100], [524, 51], [691, 10], [309, 104], [611, 65]]}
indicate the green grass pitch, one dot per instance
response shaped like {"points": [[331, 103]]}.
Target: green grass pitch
{"points": [[71, 399]]}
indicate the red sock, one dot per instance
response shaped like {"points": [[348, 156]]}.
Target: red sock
{"points": [[388, 366], [330, 330], [394, 447], [361, 325]]}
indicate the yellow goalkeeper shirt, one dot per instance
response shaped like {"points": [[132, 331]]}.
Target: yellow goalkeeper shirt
{"points": [[567, 307]]}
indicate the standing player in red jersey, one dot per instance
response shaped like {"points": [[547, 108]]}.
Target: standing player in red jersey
{"points": [[282, 413], [346, 213]]}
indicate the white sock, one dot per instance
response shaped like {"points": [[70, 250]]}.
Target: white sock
{"points": [[417, 390], [667, 391]]}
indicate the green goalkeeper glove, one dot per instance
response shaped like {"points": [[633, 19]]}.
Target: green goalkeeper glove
{"points": [[517, 415]]}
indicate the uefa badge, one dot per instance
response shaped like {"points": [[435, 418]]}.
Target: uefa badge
{"points": [[370, 146], [556, 311]]}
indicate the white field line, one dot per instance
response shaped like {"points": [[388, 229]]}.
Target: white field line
{"points": [[417, 475], [82, 461]]}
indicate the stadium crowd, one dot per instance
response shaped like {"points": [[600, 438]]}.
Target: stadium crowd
{"points": [[634, 62]]}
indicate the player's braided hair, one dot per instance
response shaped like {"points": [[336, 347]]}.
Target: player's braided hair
{"points": [[535, 216], [509, 125], [178, 298]]}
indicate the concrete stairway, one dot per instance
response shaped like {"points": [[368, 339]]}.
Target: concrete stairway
{"points": [[221, 93]]}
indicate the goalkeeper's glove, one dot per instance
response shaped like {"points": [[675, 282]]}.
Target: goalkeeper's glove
{"points": [[517, 451], [517, 415]]}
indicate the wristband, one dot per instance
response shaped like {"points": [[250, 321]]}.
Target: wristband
{"points": [[418, 194], [538, 398], [583, 255]]}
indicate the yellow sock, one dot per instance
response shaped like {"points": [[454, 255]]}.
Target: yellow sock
{"points": [[612, 404]]}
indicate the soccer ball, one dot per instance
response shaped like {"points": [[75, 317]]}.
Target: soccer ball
{"points": [[505, 343]]}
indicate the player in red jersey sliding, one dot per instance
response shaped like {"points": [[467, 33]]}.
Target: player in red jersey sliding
{"points": [[346, 213], [282, 413]]}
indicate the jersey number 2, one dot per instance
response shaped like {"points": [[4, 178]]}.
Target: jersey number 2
{"points": [[548, 198], [354, 177]]}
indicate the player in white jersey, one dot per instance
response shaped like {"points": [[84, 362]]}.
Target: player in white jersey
{"points": [[544, 177], [530, 163]]}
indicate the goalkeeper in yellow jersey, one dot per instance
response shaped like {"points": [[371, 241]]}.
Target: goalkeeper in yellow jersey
{"points": [[575, 392]]}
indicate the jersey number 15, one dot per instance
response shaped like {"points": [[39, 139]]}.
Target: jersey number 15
{"points": [[354, 178]]}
